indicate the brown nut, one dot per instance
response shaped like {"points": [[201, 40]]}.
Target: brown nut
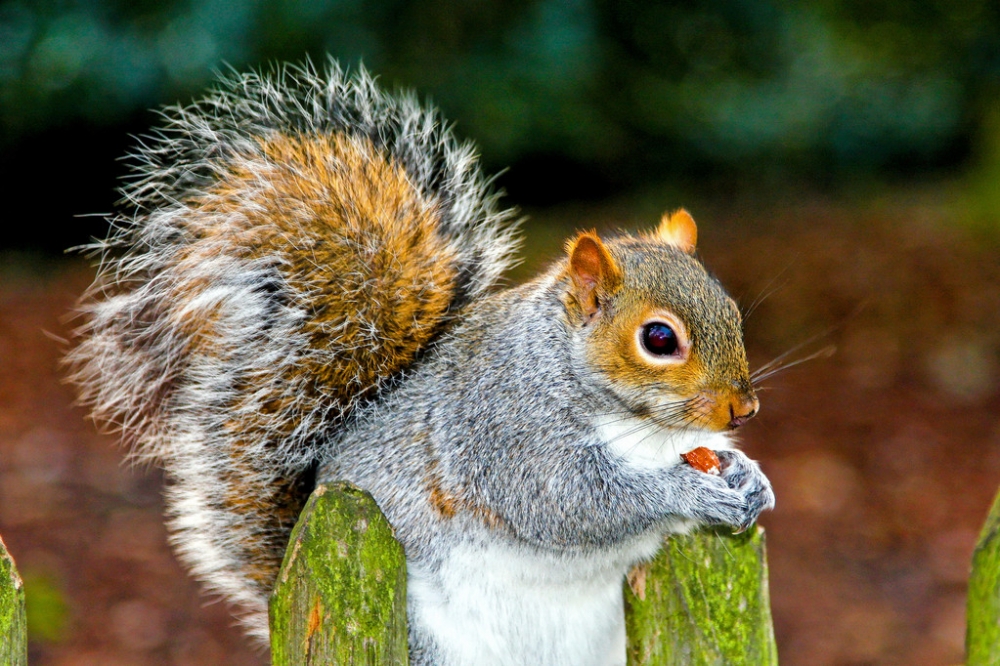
{"points": [[703, 460]]}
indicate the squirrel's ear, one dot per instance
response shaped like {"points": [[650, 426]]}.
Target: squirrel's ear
{"points": [[678, 229], [593, 270]]}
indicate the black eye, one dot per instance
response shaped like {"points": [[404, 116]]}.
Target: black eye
{"points": [[659, 339]]}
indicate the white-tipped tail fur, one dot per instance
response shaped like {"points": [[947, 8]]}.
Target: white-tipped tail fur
{"points": [[240, 308]]}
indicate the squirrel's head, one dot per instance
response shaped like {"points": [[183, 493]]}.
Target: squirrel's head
{"points": [[658, 328]]}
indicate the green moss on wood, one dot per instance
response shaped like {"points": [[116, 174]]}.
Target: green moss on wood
{"points": [[982, 638], [706, 601], [341, 595], [13, 622]]}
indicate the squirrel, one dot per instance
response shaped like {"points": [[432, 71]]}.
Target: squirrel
{"points": [[304, 287]]}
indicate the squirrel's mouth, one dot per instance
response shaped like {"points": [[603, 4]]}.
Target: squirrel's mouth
{"points": [[724, 410]]}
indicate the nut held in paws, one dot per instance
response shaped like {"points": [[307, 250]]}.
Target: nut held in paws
{"points": [[703, 460]]}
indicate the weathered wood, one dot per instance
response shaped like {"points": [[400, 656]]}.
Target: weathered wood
{"points": [[341, 595], [13, 624], [982, 637], [704, 600]]}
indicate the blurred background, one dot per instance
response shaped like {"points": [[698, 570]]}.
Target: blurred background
{"points": [[843, 162]]}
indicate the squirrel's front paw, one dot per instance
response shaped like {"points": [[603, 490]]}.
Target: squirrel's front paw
{"points": [[709, 498], [745, 476]]}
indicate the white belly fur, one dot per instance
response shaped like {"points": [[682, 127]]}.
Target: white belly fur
{"points": [[494, 605]]}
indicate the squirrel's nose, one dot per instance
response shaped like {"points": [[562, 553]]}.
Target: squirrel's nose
{"points": [[742, 409]]}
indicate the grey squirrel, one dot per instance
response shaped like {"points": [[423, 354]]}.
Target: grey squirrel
{"points": [[304, 288]]}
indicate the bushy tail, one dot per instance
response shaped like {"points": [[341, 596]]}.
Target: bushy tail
{"points": [[294, 240]]}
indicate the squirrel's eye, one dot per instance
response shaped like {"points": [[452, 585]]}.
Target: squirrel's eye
{"points": [[659, 339]]}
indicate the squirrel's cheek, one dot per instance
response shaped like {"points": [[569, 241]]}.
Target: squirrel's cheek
{"points": [[608, 355]]}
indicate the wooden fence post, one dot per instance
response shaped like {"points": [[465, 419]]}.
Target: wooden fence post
{"points": [[341, 594], [340, 597], [982, 637], [13, 624], [704, 600]]}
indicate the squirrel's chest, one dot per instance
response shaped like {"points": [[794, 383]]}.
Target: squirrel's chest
{"points": [[494, 605]]}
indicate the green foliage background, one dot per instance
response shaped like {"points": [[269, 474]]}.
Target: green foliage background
{"points": [[580, 97]]}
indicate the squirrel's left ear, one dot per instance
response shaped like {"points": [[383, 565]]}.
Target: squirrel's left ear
{"points": [[678, 229], [593, 271]]}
